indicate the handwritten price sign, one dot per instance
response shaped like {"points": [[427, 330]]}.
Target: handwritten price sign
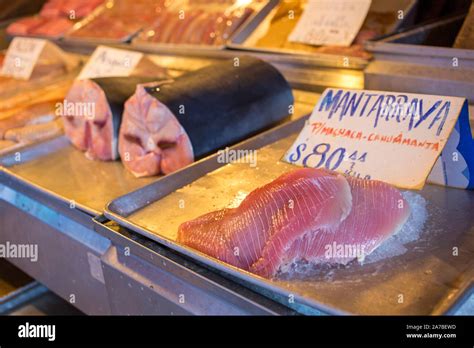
{"points": [[330, 22], [21, 57], [393, 137], [108, 62]]}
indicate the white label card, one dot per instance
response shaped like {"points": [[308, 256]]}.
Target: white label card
{"points": [[388, 136], [21, 57], [330, 22], [109, 62]]}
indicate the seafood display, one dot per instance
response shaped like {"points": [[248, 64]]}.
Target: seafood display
{"points": [[32, 115], [298, 217], [34, 133], [203, 23], [95, 126], [28, 108], [282, 24], [55, 18], [179, 22], [202, 157], [168, 125], [120, 20]]}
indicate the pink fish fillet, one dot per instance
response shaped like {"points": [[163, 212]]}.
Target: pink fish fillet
{"points": [[306, 215], [90, 134], [151, 139]]}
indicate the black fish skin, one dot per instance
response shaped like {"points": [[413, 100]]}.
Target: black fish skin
{"points": [[224, 104], [117, 90]]}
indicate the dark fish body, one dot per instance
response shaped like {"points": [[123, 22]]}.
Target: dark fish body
{"points": [[97, 133], [223, 103], [168, 125]]}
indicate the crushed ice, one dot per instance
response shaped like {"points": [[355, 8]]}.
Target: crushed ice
{"points": [[393, 246]]}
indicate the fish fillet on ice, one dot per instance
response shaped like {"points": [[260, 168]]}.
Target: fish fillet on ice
{"points": [[306, 215]]}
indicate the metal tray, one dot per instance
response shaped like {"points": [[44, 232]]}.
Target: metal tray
{"points": [[425, 44], [430, 278], [252, 22], [244, 37], [57, 169]]}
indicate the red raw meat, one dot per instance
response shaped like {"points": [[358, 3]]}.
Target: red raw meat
{"points": [[53, 27], [299, 216], [52, 9], [199, 26], [25, 25], [58, 8]]}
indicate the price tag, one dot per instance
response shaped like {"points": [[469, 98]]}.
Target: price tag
{"points": [[330, 22], [388, 136], [22, 56], [108, 62]]}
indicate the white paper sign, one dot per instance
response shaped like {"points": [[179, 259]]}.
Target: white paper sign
{"points": [[388, 136], [109, 62], [21, 57], [330, 22]]}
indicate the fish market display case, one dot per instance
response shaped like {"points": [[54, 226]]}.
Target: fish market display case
{"points": [[272, 32], [107, 240], [374, 288], [423, 60], [130, 260], [75, 261]]}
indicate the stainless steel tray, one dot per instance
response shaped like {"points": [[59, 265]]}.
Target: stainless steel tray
{"points": [[245, 36], [57, 169], [425, 44], [428, 276]]}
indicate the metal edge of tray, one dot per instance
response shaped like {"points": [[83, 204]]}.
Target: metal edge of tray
{"points": [[119, 209], [54, 39], [458, 297], [448, 306], [21, 296], [9, 178], [257, 17], [334, 60], [89, 41], [323, 59], [205, 165], [304, 61], [156, 254], [170, 183], [386, 44], [226, 269]]}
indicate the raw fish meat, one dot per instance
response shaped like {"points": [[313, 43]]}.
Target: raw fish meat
{"points": [[34, 133], [53, 27], [55, 18], [34, 114], [25, 25], [121, 20], [304, 215], [168, 125], [211, 24], [94, 127]]}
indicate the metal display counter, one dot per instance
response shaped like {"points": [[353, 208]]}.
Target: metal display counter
{"points": [[53, 197]]}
